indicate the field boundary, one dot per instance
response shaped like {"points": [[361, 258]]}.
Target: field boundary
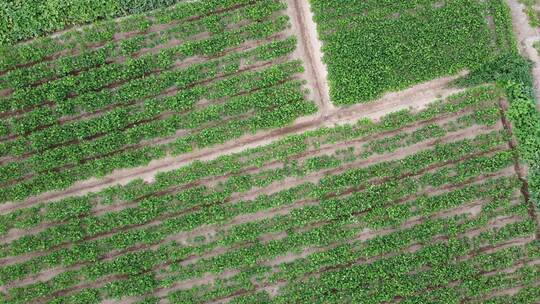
{"points": [[526, 35]]}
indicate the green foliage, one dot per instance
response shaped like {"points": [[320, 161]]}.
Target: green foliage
{"points": [[418, 206], [372, 47], [532, 12], [525, 118], [134, 104], [154, 237], [22, 20], [513, 73]]}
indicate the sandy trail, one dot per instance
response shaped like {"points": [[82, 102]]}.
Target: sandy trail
{"points": [[415, 98], [526, 35], [310, 49]]}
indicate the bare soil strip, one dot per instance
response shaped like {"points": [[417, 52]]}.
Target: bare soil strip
{"points": [[526, 35], [415, 98], [310, 51]]}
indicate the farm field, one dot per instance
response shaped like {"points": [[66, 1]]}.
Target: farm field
{"points": [[371, 47], [22, 20], [121, 94], [432, 201], [216, 151]]}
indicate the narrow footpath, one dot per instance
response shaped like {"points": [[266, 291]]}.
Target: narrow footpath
{"points": [[526, 36]]}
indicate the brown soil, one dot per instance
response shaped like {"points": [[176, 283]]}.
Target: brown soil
{"points": [[526, 36]]}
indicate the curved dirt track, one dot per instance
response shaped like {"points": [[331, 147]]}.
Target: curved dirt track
{"points": [[526, 35]]}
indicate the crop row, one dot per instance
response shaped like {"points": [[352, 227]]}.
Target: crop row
{"points": [[107, 30], [328, 207], [370, 200], [133, 47], [200, 105], [171, 205], [29, 19], [109, 74], [319, 236], [477, 101], [133, 93], [55, 141]]}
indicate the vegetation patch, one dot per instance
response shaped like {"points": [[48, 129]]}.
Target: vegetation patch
{"points": [[437, 204], [371, 47]]}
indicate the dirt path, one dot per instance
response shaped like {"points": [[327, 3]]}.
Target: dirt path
{"points": [[415, 98], [526, 35], [310, 51]]}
